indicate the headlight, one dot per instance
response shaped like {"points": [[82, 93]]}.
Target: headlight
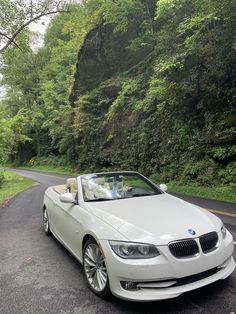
{"points": [[134, 250], [223, 231]]}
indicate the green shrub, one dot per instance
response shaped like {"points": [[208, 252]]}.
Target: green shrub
{"points": [[2, 178], [50, 160], [228, 174], [201, 172]]}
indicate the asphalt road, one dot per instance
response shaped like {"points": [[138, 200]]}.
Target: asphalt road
{"points": [[38, 275]]}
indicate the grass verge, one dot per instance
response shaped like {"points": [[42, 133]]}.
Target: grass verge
{"points": [[220, 193], [13, 184], [61, 170]]}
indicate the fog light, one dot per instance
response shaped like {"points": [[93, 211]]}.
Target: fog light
{"points": [[129, 285]]}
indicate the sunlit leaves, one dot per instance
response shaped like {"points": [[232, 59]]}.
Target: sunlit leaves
{"points": [[17, 15], [120, 12], [12, 132]]}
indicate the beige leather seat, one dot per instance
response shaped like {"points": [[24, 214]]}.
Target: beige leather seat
{"points": [[60, 189]]}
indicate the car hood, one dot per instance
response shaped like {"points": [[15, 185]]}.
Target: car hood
{"points": [[155, 219]]}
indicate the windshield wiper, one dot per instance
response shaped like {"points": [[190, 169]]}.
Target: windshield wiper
{"points": [[101, 199], [146, 194]]}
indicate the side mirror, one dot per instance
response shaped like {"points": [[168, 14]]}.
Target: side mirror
{"points": [[163, 187], [67, 198]]}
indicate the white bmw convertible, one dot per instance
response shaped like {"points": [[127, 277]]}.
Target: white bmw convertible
{"points": [[133, 239]]}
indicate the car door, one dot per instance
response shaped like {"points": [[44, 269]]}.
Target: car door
{"points": [[57, 218], [53, 211], [71, 223]]}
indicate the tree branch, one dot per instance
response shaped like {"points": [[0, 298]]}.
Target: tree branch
{"points": [[12, 38], [4, 35]]}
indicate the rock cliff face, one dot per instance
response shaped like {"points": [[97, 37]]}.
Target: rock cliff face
{"points": [[105, 54], [151, 108], [104, 63]]}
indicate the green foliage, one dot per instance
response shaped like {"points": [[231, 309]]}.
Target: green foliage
{"points": [[228, 173], [139, 84], [51, 160], [119, 12], [222, 153], [16, 16], [2, 178], [12, 133]]}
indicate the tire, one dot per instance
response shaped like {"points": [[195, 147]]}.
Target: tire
{"points": [[95, 269], [46, 225]]}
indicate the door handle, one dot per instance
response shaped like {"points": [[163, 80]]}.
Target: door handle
{"points": [[54, 202]]}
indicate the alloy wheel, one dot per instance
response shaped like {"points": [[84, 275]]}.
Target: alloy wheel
{"points": [[45, 221], [95, 267]]}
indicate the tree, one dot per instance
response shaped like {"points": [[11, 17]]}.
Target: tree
{"points": [[16, 15], [40, 82], [12, 132]]}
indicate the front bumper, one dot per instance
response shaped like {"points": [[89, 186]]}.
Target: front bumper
{"points": [[154, 276]]}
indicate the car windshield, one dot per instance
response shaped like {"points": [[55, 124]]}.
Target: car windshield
{"points": [[113, 186]]}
